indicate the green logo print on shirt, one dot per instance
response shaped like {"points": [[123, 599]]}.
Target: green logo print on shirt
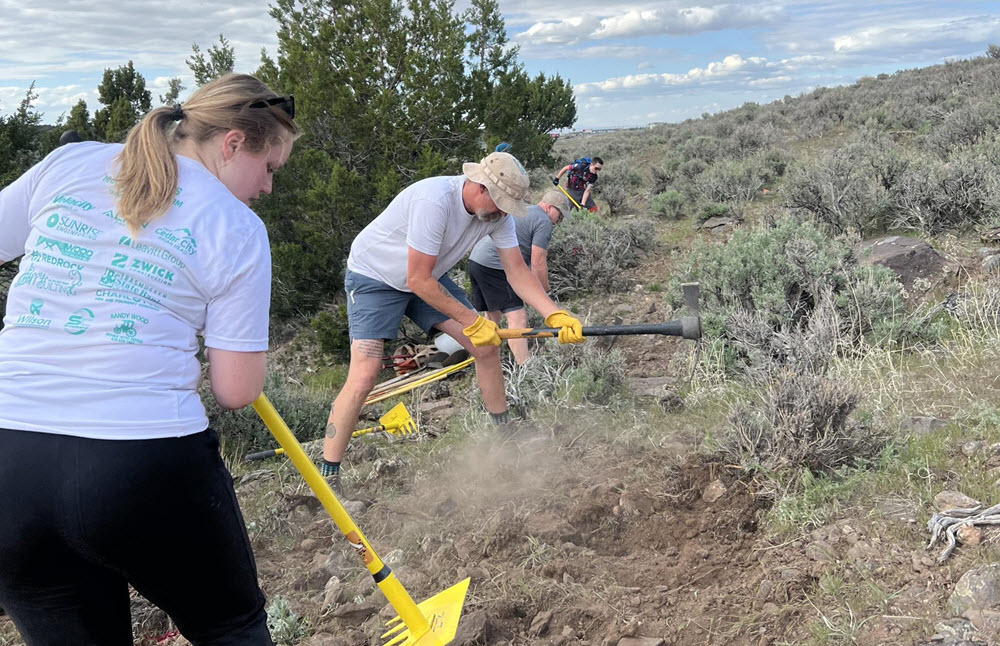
{"points": [[79, 321]]}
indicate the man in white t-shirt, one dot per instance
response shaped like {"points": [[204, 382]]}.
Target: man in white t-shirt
{"points": [[398, 265], [490, 291]]}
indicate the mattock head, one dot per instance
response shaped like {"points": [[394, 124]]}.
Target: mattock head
{"points": [[691, 323]]}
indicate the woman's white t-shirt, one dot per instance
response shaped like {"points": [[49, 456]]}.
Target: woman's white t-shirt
{"points": [[99, 337]]}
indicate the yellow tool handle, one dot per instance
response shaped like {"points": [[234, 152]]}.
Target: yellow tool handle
{"points": [[366, 431], [570, 198], [437, 375], [528, 333], [384, 577]]}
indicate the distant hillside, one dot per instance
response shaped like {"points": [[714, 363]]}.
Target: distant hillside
{"points": [[913, 150]]}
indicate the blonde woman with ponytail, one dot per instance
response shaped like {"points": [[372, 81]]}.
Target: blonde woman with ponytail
{"points": [[109, 474]]}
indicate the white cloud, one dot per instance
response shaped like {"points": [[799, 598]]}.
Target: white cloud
{"points": [[731, 66], [565, 32], [631, 23], [915, 34], [534, 51], [644, 65]]}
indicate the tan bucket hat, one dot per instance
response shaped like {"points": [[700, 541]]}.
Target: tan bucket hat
{"points": [[505, 179], [556, 198]]}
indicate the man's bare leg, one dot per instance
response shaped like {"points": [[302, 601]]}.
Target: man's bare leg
{"points": [[488, 371], [366, 361], [518, 319]]}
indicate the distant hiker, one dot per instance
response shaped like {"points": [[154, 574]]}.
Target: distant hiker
{"points": [[580, 181], [398, 266], [491, 293], [109, 473]]}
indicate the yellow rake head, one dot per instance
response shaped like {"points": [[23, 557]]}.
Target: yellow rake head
{"points": [[441, 613], [398, 421]]}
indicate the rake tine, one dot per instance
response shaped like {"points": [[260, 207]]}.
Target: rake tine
{"points": [[399, 639], [395, 629]]}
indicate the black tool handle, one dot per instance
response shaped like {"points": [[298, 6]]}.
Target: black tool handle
{"points": [[261, 455], [688, 327]]}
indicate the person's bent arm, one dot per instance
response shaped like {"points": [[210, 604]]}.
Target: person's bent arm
{"points": [[540, 266], [420, 281], [523, 282], [237, 378], [563, 171]]}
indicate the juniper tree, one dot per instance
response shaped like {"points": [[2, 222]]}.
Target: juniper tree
{"points": [[123, 92], [387, 93], [174, 89], [79, 120], [221, 60]]}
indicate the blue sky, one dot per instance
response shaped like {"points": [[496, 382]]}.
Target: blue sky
{"points": [[630, 63]]}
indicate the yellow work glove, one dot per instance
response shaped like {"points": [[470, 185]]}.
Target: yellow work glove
{"points": [[572, 330], [482, 332]]}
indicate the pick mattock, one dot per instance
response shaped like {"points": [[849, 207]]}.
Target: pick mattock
{"points": [[574, 201], [688, 327], [431, 623], [396, 422]]}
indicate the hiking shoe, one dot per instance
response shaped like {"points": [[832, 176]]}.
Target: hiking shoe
{"points": [[334, 482]]}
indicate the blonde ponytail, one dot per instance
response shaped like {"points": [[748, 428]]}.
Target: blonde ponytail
{"points": [[146, 180], [147, 171]]}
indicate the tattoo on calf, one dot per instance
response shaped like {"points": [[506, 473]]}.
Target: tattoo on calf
{"points": [[370, 348], [331, 431]]}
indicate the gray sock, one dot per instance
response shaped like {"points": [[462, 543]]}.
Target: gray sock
{"points": [[500, 418]]}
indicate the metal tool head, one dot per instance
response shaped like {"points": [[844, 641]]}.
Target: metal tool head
{"points": [[398, 421], [691, 324], [442, 612]]}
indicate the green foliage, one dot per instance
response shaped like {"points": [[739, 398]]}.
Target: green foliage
{"points": [[332, 332], [221, 60], [588, 253], [305, 412], [79, 120], [286, 627], [713, 210], [993, 51], [735, 183], [511, 106], [667, 204], [781, 274], [587, 374], [389, 93], [174, 89], [123, 92], [617, 183], [19, 146], [855, 187]]}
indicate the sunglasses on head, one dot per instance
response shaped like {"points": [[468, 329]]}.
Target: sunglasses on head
{"points": [[284, 103]]}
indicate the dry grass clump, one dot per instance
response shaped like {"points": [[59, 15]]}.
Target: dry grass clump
{"points": [[801, 417], [567, 375], [801, 421]]}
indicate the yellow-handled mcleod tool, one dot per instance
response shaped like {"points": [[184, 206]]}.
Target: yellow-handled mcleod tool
{"points": [[430, 623], [396, 422]]}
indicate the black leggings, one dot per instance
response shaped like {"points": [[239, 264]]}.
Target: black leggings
{"points": [[80, 519]]}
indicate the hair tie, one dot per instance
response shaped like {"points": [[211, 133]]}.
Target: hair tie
{"points": [[177, 114]]}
